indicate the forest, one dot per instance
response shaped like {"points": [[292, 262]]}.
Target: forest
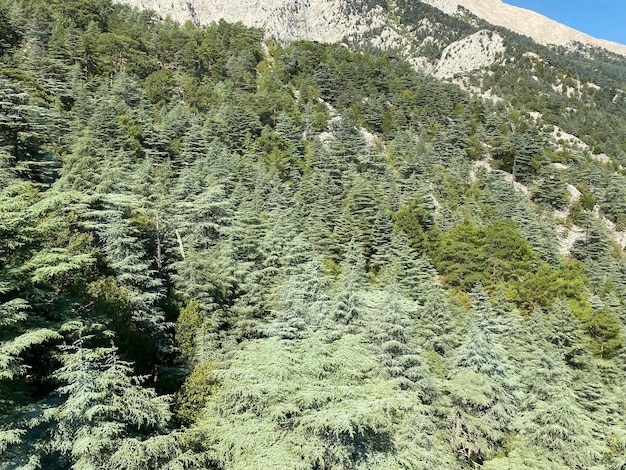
{"points": [[221, 252]]}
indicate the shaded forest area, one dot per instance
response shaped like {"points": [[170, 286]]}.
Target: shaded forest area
{"points": [[218, 252]]}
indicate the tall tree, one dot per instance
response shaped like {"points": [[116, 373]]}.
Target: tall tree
{"points": [[482, 387]]}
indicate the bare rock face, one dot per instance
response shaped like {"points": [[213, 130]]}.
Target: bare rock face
{"points": [[474, 52], [447, 6], [285, 20]]}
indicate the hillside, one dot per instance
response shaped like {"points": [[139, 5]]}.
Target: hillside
{"points": [[332, 20], [399, 248]]}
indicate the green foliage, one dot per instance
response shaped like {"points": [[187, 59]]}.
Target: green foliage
{"points": [[195, 392], [100, 414], [393, 333], [189, 322], [551, 190], [482, 387], [604, 329], [159, 86], [286, 238], [558, 426], [613, 204], [326, 427], [469, 255], [277, 153], [542, 287], [417, 222]]}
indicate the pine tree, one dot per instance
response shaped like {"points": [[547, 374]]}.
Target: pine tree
{"points": [[595, 243], [102, 416], [415, 275], [563, 330], [81, 167], [360, 208], [528, 154], [382, 235], [508, 204], [272, 389], [559, 427], [551, 189], [319, 200], [303, 297], [439, 322]]}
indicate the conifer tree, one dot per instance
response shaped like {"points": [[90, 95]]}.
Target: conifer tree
{"points": [[135, 274], [563, 330], [359, 216], [302, 297], [613, 204], [560, 427], [102, 417], [319, 199], [394, 334], [595, 243], [415, 275], [439, 322], [348, 305], [273, 388], [482, 387], [508, 204], [284, 204], [382, 235]]}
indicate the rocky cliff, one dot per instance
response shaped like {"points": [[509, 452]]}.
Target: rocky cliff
{"points": [[285, 20]]}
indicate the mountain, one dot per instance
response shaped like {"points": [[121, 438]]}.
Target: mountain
{"points": [[403, 248], [334, 20], [526, 22]]}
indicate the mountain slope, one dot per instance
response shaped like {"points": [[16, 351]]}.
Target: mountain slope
{"points": [[532, 24], [333, 20], [285, 20], [222, 252]]}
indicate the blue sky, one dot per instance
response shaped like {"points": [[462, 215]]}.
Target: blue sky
{"points": [[604, 19]]}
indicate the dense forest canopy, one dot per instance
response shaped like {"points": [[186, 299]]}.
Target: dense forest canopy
{"points": [[219, 252]]}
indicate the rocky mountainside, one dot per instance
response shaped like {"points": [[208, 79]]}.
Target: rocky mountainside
{"points": [[336, 20], [471, 43], [285, 20], [527, 22], [219, 251]]}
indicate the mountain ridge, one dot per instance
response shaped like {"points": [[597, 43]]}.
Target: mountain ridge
{"points": [[534, 25], [328, 20]]}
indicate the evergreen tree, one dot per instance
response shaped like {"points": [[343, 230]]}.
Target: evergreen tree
{"points": [[102, 418], [382, 235], [273, 388], [613, 204], [252, 227], [135, 273], [482, 388], [394, 333], [348, 305], [359, 216], [559, 427], [595, 243], [303, 298]]}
